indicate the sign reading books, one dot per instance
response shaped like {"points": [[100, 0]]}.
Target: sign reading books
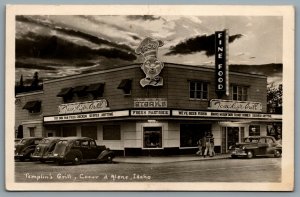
{"points": [[231, 105], [150, 103], [221, 40]]}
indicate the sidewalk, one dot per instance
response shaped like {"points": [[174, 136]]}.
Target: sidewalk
{"points": [[167, 159]]}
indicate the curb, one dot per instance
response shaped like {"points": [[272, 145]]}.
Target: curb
{"points": [[175, 161]]}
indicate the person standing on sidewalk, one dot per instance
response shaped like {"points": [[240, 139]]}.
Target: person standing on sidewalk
{"points": [[200, 145], [206, 140]]}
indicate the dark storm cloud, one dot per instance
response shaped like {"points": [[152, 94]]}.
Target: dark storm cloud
{"points": [[71, 32], [38, 46], [143, 17], [198, 44], [39, 66], [269, 70]]}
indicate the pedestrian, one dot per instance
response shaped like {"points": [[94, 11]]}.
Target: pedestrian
{"points": [[200, 145], [206, 140], [212, 146]]}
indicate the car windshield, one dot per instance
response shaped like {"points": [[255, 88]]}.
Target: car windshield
{"points": [[253, 140]]}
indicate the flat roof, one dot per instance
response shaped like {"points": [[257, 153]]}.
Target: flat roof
{"points": [[136, 65]]}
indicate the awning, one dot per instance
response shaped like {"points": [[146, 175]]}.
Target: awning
{"points": [[125, 84], [65, 91], [33, 105], [96, 87], [79, 89]]}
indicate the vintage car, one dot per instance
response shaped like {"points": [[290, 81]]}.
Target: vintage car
{"points": [[26, 147], [44, 148], [76, 150], [256, 146]]}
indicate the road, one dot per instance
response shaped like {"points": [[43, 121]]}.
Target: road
{"points": [[224, 170]]}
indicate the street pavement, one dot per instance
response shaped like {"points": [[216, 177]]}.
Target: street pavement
{"points": [[168, 159], [172, 169]]}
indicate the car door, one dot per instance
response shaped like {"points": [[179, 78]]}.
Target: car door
{"points": [[85, 149], [262, 146]]}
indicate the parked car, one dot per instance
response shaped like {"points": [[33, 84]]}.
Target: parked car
{"points": [[80, 149], [255, 146], [25, 147], [44, 149], [17, 140]]}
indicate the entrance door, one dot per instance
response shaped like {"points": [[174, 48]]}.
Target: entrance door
{"points": [[232, 136], [152, 137]]}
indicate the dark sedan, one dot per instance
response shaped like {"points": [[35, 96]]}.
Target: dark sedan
{"points": [[256, 146], [76, 150], [26, 147]]}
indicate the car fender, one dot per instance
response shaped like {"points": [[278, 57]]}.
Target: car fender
{"points": [[104, 154], [28, 150]]}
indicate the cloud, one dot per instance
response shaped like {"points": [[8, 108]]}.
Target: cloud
{"points": [[143, 17], [40, 46], [72, 32], [202, 43]]}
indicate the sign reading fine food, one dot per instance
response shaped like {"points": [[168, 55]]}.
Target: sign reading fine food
{"points": [[150, 103], [78, 107], [221, 63], [230, 105]]}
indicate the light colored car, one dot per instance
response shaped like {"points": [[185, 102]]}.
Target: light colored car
{"points": [[44, 149], [256, 146]]}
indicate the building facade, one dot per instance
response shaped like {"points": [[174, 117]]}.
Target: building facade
{"points": [[112, 107]]}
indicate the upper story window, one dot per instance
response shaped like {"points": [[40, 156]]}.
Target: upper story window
{"points": [[198, 90], [240, 93]]}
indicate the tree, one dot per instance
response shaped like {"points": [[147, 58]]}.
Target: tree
{"points": [[274, 99]]}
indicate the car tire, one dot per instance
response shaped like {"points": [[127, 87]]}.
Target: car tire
{"points": [[76, 157], [59, 162], [42, 161], [233, 156], [250, 154], [277, 154], [22, 159], [109, 159]]}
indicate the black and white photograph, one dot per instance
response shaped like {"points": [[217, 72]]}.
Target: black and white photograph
{"points": [[149, 98]]}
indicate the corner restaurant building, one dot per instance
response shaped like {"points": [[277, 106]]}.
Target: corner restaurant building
{"points": [[113, 108]]}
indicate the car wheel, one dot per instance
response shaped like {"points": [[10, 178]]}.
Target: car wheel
{"points": [[250, 154], [76, 157], [109, 159], [233, 156], [277, 153], [42, 161]]}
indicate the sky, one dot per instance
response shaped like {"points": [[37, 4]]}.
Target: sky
{"points": [[57, 45]]}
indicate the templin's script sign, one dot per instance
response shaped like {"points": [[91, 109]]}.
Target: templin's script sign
{"points": [[78, 107], [230, 105], [221, 63], [150, 103]]}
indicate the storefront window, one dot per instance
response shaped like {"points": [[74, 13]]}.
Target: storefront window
{"points": [[111, 132], [198, 90], [191, 133], [239, 93], [254, 130], [69, 131], [89, 131], [152, 137], [31, 131]]}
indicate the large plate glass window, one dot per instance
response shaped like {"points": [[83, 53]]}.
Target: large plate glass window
{"points": [[89, 131], [152, 137], [254, 130], [111, 132]]}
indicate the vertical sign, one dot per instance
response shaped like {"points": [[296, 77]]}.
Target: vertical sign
{"points": [[222, 87]]}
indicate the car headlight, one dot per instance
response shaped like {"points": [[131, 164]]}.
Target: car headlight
{"points": [[243, 148], [55, 154], [230, 147]]}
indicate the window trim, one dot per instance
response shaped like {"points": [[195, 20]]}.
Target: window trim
{"points": [[202, 82], [162, 138], [239, 86]]}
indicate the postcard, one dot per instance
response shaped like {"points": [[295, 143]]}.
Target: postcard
{"points": [[149, 98]]}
